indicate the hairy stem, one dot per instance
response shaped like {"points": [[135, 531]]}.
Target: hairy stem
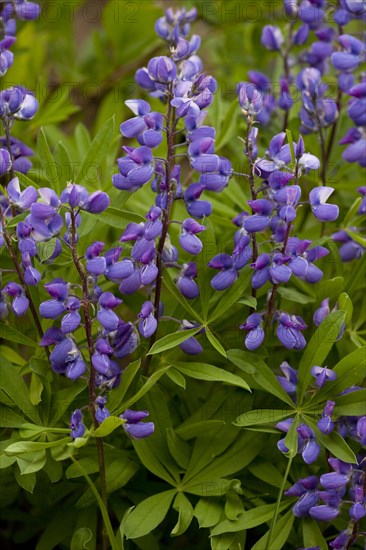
{"points": [[14, 259], [169, 165], [92, 393], [272, 300], [248, 154]]}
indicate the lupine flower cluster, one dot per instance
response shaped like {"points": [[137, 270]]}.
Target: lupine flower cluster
{"points": [[323, 498], [55, 219]]}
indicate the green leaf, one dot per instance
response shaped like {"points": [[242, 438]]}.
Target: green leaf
{"points": [[232, 295], [294, 295], [357, 237], [11, 334], [25, 481], [208, 512], [145, 388], [318, 348], [291, 438], [176, 377], [203, 371], [185, 510], [97, 151], [345, 304], [13, 385], [48, 163], [108, 426], [351, 404], [117, 218], [117, 395], [189, 431], [173, 340], [65, 166], [152, 462], [179, 449], [279, 534], [254, 366], [335, 443], [21, 447], [247, 520], [261, 416], [31, 462], [81, 539], [147, 515], [228, 129], [215, 343], [312, 535]]}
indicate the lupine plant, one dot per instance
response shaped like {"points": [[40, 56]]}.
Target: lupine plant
{"points": [[182, 299]]}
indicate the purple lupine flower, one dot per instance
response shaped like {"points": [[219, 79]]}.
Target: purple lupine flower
{"points": [[289, 381], [250, 99], [255, 336], [108, 318], [19, 152], [356, 150], [361, 430], [195, 207], [21, 199], [66, 359], [135, 169], [272, 37], [261, 219], [147, 324], [101, 412], [186, 283], [71, 321], [227, 275], [76, 425], [324, 212], [310, 448], [350, 249], [162, 69], [101, 357], [322, 312], [358, 508], [287, 198], [322, 375], [124, 340], [326, 424], [146, 126], [289, 331], [20, 302], [5, 161], [323, 512], [341, 542], [191, 346], [134, 426], [188, 240]]}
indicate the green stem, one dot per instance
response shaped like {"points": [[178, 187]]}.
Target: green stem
{"points": [[92, 393], [278, 503], [103, 509], [170, 135]]}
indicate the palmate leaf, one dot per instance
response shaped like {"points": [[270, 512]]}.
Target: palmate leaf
{"points": [[147, 515]]}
